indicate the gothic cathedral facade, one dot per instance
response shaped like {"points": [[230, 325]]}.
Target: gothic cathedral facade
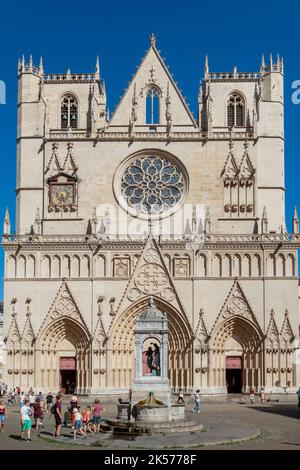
{"points": [[151, 202]]}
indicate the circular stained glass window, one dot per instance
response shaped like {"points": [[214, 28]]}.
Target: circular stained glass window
{"points": [[152, 185]]}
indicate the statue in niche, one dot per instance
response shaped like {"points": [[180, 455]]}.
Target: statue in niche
{"points": [[151, 357]]}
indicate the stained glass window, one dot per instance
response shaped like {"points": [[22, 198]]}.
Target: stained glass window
{"points": [[152, 185]]}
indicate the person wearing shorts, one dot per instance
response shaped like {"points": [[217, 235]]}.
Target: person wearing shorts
{"points": [[78, 423], [86, 418], [2, 415], [26, 413], [97, 411]]}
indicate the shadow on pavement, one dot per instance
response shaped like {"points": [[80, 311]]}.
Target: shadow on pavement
{"points": [[290, 411]]}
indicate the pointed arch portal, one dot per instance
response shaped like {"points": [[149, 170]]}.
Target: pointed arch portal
{"points": [[64, 357], [121, 347], [236, 348]]}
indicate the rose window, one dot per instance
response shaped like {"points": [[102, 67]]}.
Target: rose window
{"points": [[152, 185]]}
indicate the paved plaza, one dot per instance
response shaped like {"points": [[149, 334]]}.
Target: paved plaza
{"points": [[228, 424]]}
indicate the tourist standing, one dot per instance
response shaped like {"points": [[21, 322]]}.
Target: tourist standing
{"points": [[252, 395], [22, 399], [3, 415], [57, 415], [262, 395], [180, 396], [298, 393], [26, 414], [97, 412], [31, 398], [49, 401], [37, 413], [196, 408]]}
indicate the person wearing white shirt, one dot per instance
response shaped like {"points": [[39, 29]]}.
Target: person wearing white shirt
{"points": [[26, 414]]}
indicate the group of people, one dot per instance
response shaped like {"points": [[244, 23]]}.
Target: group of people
{"points": [[262, 395], [83, 419]]}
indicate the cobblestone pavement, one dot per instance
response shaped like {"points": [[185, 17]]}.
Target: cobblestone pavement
{"points": [[278, 422]]}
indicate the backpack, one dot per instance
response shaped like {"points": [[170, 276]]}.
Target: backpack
{"points": [[52, 409]]}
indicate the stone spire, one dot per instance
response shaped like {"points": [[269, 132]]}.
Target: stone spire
{"points": [[207, 222], [194, 220], [41, 67], [295, 221], [263, 64], [6, 224], [94, 221], [152, 40], [206, 67], [264, 221], [200, 92], [30, 63], [97, 69], [37, 222], [168, 110]]}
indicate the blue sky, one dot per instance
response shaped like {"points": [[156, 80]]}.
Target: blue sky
{"points": [[72, 33]]}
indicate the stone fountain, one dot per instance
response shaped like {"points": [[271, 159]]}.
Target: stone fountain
{"points": [[151, 416]]}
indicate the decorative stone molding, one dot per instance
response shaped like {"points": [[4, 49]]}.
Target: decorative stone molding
{"points": [[96, 371], [102, 371]]}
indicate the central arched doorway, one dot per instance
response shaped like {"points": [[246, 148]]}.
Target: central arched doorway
{"points": [[121, 347], [64, 356], [237, 355]]}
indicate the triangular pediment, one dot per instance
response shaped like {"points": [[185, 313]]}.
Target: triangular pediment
{"points": [[64, 305], [70, 166], [272, 333], [246, 170], [200, 333], [235, 305], [54, 167], [13, 335], [150, 278], [286, 332], [99, 336], [153, 72], [28, 336], [230, 169]]}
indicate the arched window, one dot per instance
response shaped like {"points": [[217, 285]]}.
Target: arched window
{"points": [[235, 111], [152, 106], [69, 112]]}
